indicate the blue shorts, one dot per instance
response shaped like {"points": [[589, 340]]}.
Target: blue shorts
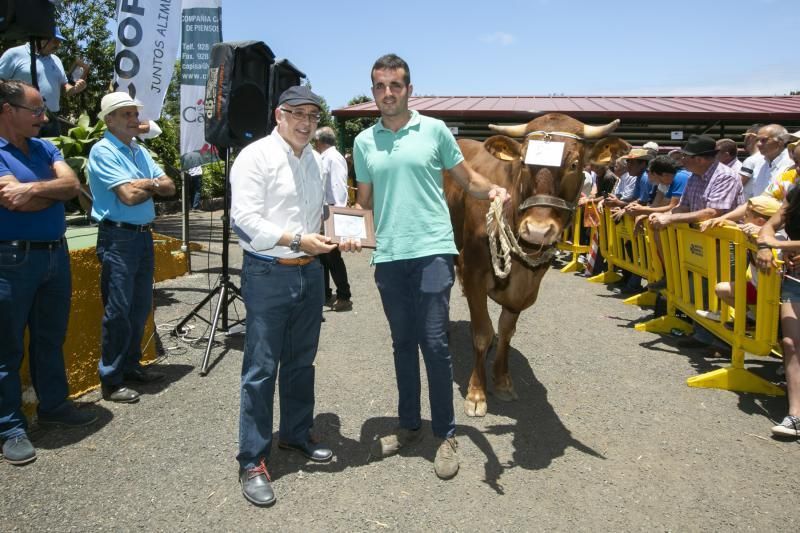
{"points": [[790, 289]]}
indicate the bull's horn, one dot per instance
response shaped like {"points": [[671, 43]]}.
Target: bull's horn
{"points": [[598, 132], [518, 130]]}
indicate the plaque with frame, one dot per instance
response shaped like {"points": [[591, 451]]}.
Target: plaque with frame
{"points": [[342, 223]]}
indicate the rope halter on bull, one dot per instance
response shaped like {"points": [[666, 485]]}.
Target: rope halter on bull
{"points": [[500, 233]]}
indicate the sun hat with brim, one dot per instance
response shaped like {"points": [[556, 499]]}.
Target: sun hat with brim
{"points": [[700, 145], [641, 154], [113, 101], [764, 205]]}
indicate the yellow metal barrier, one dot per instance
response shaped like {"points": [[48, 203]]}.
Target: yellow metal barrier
{"points": [[634, 251], [694, 263], [571, 242]]}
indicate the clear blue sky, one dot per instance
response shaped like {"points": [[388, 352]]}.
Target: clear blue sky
{"points": [[534, 47]]}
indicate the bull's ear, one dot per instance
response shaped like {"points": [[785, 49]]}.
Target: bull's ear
{"points": [[607, 150], [503, 148]]}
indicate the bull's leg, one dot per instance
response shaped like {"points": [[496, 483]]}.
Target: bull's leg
{"points": [[503, 386], [482, 337]]}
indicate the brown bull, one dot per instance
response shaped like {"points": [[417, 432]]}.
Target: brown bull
{"points": [[541, 206]]}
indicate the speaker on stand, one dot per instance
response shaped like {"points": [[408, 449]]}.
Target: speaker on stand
{"points": [[239, 109]]}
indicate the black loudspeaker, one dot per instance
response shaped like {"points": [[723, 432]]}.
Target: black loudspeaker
{"points": [[23, 19], [282, 75], [237, 101]]}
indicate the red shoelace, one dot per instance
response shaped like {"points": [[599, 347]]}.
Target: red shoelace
{"points": [[261, 468]]}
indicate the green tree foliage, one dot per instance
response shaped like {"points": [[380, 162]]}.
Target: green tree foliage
{"points": [[348, 129], [84, 25]]}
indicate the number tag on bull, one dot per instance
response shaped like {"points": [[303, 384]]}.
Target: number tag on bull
{"points": [[544, 153]]}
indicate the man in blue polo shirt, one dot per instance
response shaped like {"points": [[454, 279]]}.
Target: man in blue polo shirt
{"points": [[35, 282], [124, 178], [15, 64], [399, 163]]}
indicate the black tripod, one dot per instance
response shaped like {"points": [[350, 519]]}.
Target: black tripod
{"points": [[227, 291]]}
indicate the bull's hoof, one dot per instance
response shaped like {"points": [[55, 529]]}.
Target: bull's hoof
{"points": [[475, 407], [506, 394]]}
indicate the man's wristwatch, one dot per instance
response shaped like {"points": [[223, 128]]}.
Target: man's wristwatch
{"points": [[295, 244]]}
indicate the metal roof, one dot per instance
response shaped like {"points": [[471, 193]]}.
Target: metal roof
{"points": [[740, 108]]}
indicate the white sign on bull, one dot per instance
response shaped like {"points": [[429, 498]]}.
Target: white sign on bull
{"points": [[147, 45], [544, 153]]}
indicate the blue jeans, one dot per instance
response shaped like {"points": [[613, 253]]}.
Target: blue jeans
{"points": [[35, 291], [126, 286], [197, 189], [416, 300], [284, 314]]}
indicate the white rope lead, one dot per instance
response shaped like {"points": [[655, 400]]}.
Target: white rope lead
{"points": [[498, 231]]}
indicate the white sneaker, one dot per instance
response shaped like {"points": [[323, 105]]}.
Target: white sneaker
{"points": [[789, 427], [710, 315]]}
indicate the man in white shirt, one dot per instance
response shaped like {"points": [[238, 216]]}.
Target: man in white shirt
{"points": [[276, 208], [770, 141], [334, 174]]}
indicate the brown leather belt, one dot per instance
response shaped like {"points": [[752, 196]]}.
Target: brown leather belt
{"points": [[296, 261], [288, 261]]}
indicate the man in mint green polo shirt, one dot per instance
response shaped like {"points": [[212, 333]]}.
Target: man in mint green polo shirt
{"points": [[399, 163]]}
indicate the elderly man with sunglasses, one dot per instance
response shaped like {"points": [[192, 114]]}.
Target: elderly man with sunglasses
{"points": [[35, 281], [276, 207]]}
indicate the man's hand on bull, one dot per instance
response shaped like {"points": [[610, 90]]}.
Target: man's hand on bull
{"points": [[499, 192], [350, 245]]}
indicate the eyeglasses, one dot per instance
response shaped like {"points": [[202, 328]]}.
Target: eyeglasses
{"points": [[35, 110], [302, 116]]}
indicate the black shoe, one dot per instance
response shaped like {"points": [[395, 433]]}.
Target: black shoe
{"points": [[316, 452], [257, 485], [119, 394], [143, 375]]}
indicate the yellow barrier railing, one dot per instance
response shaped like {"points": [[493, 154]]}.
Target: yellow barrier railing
{"points": [[571, 242], [694, 263], [627, 249]]}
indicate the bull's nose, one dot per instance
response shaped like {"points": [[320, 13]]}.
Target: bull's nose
{"points": [[538, 234]]}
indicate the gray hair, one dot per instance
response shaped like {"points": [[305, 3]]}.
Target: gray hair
{"points": [[325, 135], [12, 91]]}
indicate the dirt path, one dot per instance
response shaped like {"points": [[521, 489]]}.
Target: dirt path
{"points": [[605, 435]]}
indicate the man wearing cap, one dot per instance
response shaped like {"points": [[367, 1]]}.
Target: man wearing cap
{"points": [[277, 195], [15, 64], [712, 190], [124, 178], [35, 281]]}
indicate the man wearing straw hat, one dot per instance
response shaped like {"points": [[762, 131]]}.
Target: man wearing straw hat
{"points": [[124, 178]]}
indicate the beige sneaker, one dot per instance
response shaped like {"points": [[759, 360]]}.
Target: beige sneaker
{"points": [[391, 444], [446, 462]]}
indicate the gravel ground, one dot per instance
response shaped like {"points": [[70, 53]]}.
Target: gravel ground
{"points": [[605, 435]]}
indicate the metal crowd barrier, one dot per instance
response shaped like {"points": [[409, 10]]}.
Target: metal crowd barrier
{"points": [[693, 263], [571, 242]]}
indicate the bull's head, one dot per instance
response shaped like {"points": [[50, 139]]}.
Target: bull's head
{"points": [[544, 197]]}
